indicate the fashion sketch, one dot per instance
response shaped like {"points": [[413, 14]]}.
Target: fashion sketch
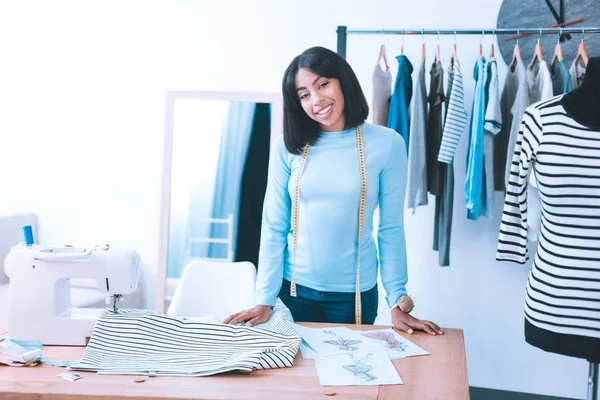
{"points": [[343, 344], [359, 369], [391, 342]]}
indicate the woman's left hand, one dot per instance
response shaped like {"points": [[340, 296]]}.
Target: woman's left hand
{"points": [[407, 323]]}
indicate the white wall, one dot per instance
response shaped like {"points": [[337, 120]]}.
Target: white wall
{"points": [[82, 112]]}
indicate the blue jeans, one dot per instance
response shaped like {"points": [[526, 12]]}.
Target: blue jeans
{"points": [[333, 307]]}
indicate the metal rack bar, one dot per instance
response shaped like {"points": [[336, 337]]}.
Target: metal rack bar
{"points": [[343, 32], [593, 382], [499, 31], [342, 35]]}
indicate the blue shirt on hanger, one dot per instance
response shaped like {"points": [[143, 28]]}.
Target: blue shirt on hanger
{"points": [[474, 193], [399, 118]]}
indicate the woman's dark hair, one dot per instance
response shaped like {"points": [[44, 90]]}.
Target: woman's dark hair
{"points": [[298, 128]]}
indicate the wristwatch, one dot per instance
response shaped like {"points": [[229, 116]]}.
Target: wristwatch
{"points": [[405, 304]]}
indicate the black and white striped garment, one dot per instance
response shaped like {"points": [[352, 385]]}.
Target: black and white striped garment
{"points": [[563, 290], [147, 342]]}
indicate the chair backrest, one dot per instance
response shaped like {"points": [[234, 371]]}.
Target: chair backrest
{"points": [[209, 288]]}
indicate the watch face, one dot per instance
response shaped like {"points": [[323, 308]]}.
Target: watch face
{"points": [[537, 14], [405, 303]]}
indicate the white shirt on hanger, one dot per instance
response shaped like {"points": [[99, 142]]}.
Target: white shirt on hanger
{"points": [[540, 83], [540, 89]]}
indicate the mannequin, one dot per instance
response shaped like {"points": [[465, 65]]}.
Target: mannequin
{"points": [[583, 106], [583, 103], [560, 144]]}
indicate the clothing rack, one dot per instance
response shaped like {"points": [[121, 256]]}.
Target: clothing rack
{"points": [[343, 32], [342, 36]]}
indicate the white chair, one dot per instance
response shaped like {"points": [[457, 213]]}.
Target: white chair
{"points": [[209, 288]]}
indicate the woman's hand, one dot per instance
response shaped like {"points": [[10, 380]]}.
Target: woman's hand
{"points": [[407, 323], [253, 316]]}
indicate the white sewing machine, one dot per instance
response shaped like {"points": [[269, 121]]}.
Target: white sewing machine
{"points": [[39, 294]]}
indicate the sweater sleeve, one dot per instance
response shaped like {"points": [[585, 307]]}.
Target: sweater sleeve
{"points": [[391, 239], [456, 119], [274, 227], [512, 241]]}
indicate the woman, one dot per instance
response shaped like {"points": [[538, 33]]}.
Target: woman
{"points": [[326, 164]]}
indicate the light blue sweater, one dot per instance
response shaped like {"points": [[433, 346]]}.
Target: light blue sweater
{"points": [[326, 256]]}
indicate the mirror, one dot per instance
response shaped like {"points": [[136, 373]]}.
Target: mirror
{"points": [[217, 147]]}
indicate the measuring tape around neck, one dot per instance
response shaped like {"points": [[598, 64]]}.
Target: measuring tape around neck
{"points": [[361, 215]]}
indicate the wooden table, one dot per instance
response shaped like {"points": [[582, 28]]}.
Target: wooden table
{"points": [[441, 375]]}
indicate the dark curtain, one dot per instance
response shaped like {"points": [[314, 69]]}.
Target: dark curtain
{"points": [[254, 185]]}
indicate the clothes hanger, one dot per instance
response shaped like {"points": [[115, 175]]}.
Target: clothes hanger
{"points": [[437, 49], [382, 55], [402, 45], [558, 53], [538, 55], [454, 56], [423, 46], [516, 53], [581, 52], [481, 45]]}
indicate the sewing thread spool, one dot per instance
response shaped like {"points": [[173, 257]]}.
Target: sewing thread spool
{"points": [[28, 235]]}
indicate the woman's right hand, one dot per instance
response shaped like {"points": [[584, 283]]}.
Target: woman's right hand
{"points": [[252, 316]]}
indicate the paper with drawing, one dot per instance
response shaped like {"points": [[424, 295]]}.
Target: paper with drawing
{"points": [[396, 345], [335, 341], [307, 351], [360, 368]]}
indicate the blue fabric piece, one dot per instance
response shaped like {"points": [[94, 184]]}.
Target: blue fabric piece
{"points": [[23, 352], [23, 346], [561, 78], [335, 308], [474, 183], [56, 363], [399, 115]]}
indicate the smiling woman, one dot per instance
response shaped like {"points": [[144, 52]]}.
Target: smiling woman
{"points": [[322, 99], [316, 79], [326, 178]]}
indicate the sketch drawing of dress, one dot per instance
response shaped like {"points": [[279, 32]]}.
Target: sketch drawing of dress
{"points": [[342, 343], [388, 337], [359, 369]]}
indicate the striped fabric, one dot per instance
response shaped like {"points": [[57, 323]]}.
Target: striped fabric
{"points": [[563, 290], [456, 116], [147, 342]]}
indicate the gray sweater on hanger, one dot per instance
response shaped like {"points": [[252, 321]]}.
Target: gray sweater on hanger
{"points": [[382, 91], [416, 187], [513, 102]]}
